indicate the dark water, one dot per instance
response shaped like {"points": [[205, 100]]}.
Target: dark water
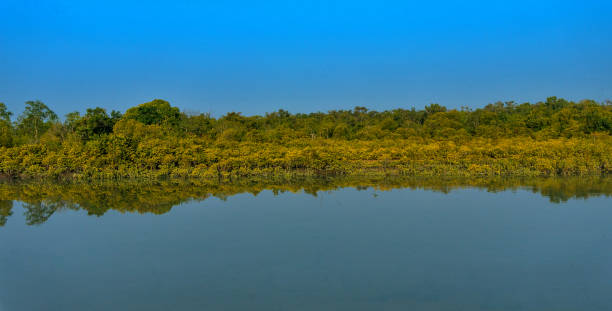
{"points": [[425, 247]]}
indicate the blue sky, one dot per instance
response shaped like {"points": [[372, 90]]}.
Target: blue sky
{"points": [[302, 56]]}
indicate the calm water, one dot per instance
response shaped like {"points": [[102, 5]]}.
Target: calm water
{"points": [[357, 248]]}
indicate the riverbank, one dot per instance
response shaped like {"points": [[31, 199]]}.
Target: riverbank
{"points": [[118, 158]]}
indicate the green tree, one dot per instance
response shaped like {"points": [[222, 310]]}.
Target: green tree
{"points": [[434, 108], [95, 122], [199, 124], [72, 121], [155, 112], [5, 115], [6, 128], [36, 119]]}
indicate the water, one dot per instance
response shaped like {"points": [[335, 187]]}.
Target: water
{"points": [[434, 246]]}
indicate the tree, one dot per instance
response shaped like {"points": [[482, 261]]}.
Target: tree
{"points": [[72, 121], [95, 122], [6, 129], [36, 119], [433, 108], [5, 115], [197, 124], [157, 111]]}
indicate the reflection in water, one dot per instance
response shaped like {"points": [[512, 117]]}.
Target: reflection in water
{"points": [[42, 199], [6, 210]]}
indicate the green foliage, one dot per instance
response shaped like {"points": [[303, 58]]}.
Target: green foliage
{"points": [[35, 120], [555, 137], [6, 128], [5, 115], [155, 112], [434, 108], [94, 123]]}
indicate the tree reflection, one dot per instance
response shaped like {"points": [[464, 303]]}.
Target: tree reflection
{"points": [[6, 210], [38, 213], [42, 199]]}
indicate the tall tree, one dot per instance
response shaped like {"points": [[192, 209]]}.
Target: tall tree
{"points": [[5, 115], [36, 119], [6, 128]]}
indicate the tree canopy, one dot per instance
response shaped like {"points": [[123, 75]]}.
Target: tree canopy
{"points": [[36, 119], [157, 111], [554, 136]]}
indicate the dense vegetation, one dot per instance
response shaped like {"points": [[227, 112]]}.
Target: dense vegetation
{"points": [[41, 199], [554, 137]]}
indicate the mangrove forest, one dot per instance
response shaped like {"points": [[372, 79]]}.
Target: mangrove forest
{"points": [[157, 140]]}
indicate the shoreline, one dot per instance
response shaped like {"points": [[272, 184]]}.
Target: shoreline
{"points": [[402, 157], [297, 175]]}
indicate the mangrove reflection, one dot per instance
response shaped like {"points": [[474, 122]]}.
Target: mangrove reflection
{"points": [[42, 199], [6, 210]]}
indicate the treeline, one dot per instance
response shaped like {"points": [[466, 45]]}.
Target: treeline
{"points": [[156, 139], [552, 118]]}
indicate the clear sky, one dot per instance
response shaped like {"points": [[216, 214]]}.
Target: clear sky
{"points": [[302, 56]]}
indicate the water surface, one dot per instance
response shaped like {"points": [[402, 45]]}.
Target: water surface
{"points": [[308, 245]]}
